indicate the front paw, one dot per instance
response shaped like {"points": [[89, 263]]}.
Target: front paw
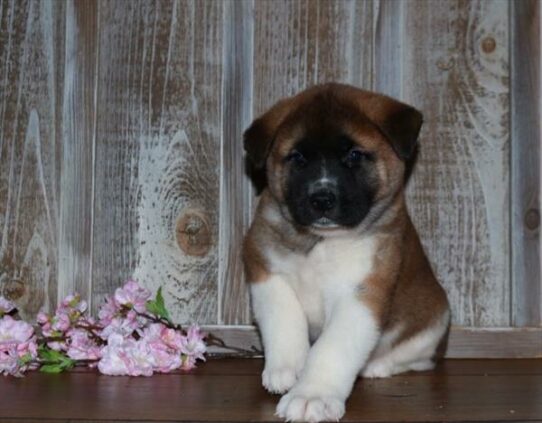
{"points": [[278, 380], [279, 375], [296, 407], [379, 368]]}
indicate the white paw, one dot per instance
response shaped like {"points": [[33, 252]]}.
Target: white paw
{"points": [[378, 369], [422, 365], [278, 380], [282, 369], [297, 407]]}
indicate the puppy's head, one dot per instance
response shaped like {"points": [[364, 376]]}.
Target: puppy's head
{"points": [[333, 153]]}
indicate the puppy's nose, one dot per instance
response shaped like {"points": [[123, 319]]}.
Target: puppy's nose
{"points": [[323, 200]]}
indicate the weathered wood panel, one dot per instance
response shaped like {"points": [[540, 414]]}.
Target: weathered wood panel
{"points": [[31, 65], [389, 46], [77, 141], [121, 149], [157, 151], [462, 342], [235, 189], [525, 161], [298, 44], [454, 66]]}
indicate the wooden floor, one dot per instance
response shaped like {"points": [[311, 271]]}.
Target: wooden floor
{"points": [[229, 390]]}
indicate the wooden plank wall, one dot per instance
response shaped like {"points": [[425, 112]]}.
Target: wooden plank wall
{"points": [[121, 149], [32, 78], [526, 118], [459, 76], [158, 151]]}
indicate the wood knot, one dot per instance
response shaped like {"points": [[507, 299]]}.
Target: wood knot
{"points": [[532, 219], [14, 289], [488, 45], [193, 233]]}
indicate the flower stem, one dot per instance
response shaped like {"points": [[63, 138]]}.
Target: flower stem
{"points": [[157, 319], [213, 340], [90, 329]]}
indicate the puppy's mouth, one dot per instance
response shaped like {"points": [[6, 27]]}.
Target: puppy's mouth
{"points": [[325, 223]]}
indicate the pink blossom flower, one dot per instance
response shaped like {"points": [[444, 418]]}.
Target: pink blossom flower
{"points": [[14, 331], [126, 356], [70, 309], [172, 338], [188, 362], [82, 347], [164, 346], [108, 310], [124, 326], [43, 318], [134, 346], [54, 327], [68, 314], [9, 362], [61, 322], [73, 302], [57, 345], [5, 306], [18, 346], [132, 295], [164, 360], [193, 345]]}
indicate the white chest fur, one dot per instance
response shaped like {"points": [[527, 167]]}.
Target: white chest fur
{"points": [[334, 268]]}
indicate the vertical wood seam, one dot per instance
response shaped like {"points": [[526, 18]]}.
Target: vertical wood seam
{"points": [[78, 141], [388, 64], [220, 266], [511, 278], [525, 162], [94, 141]]}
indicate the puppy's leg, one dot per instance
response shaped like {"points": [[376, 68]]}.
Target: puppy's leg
{"points": [[332, 365], [414, 354], [284, 332]]}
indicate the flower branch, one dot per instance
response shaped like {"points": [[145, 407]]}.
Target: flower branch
{"points": [[133, 335]]}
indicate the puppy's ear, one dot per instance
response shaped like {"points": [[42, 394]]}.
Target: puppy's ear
{"points": [[259, 137], [399, 122], [402, 126]]}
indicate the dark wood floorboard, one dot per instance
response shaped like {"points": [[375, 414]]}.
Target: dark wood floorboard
{"points": [[229, 390]]}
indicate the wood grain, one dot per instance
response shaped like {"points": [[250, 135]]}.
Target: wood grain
{"points": [[121, 156], [31, 58], [526, 137], [298, 44], [235, 189], [462, 342], [389, 45], [78, 145], [157, 150], [455, 67], [495, 343], [224, 391]]}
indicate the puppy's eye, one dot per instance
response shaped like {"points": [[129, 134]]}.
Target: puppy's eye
{"points": [[296, 158], [355, 157]]}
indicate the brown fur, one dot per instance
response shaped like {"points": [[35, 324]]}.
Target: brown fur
{"points": [[403, 289]]}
